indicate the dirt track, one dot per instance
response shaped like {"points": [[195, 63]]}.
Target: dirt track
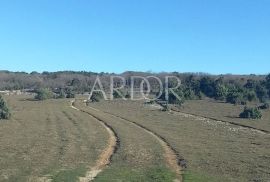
{"points": [[105, 156], [174, 161]]}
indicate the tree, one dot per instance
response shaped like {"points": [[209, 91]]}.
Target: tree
{"points": [[70, 93], [268, 84], [172, 98], [235, 98], [261, 93], [250, 95], [207, 86], [4, 110], [221, 92], [44, 93], [251, 84]]}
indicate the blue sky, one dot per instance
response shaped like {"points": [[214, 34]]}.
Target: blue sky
{"points": [[214, 36]]}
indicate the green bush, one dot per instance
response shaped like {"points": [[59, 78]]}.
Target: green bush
{"points": [[252, 113], [4, 110], [44, 93]]}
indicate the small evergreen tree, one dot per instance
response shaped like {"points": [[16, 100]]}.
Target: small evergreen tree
{"points": [[4, 110]]}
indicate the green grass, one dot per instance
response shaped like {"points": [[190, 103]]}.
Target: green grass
{"points": [[69, 175], [121, 174], [190, 176]]}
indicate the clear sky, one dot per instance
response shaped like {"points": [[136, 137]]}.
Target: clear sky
{"points": [[214, 36]]}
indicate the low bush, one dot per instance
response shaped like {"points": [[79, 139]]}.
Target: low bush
{"points": [[44, 93], [252, 113], [96, 97]]}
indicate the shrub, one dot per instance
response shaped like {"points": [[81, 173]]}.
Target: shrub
{"points": [[252, 113], [44, 93], [128, 96], [96, 97], [264, 106], [4, 110]]}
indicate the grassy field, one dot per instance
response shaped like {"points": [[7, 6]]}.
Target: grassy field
{"points": [[48, 138], [51, 140], [139, 156], [214, 151], [226, 112]]}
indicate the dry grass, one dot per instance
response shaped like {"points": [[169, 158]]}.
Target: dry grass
{"points": [[48, 138], [139, 155], [227, 112], [215, 151]]}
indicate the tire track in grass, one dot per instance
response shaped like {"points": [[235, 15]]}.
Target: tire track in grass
{"points": [[172, 157], [261, 131], [105, 157], [63, 141], [74, 123]]}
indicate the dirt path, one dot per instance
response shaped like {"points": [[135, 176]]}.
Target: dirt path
{"points": [[173, 159], [105, 157]]}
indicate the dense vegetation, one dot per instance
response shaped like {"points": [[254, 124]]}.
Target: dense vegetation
{"points": [[235, 89], [231, 91], [4, 110]]}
